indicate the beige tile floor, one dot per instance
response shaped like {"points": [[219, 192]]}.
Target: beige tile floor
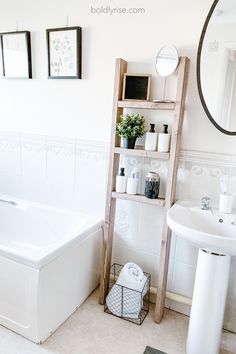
{"points": [[91, 331]]}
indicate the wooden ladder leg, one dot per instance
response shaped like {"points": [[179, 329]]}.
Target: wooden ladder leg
{"points": [[183, 70], [107, 253], [121, 66], [163, 273]]}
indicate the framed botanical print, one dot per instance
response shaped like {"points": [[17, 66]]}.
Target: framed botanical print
{"points": [[16, 55], [64, 52]]}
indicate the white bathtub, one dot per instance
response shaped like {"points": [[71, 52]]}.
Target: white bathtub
{"points": [[49, 264]]}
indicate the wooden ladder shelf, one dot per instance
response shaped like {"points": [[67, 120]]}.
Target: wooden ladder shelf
{"points": [[114, 160]]}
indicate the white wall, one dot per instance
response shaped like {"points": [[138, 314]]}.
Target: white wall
{"points": [[82, 108], [64, 125]]}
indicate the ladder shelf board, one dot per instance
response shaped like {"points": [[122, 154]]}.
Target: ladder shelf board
{"points": [[139, 198], [146, 105], [142, 153]]}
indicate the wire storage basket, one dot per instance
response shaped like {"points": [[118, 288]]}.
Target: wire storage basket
{"points": [[126, 303]]}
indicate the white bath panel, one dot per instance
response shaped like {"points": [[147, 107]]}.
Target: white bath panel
{"points": [[49, 264], [15, 305]]}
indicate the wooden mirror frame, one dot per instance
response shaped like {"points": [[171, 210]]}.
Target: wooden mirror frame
{"points": [[199, 72]]}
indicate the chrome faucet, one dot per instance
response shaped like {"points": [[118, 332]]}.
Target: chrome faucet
{"points": [[205, 203]]}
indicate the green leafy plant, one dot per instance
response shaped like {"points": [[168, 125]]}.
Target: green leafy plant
{"points": [[131, 126]]}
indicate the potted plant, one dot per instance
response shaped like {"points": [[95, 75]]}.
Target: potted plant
{"points": [[130, 127]]}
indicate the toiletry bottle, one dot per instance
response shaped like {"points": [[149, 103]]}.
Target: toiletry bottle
{"points": [[226, 198], [164, 140], [152, 185], [121, 181], [133, 182], [151, 139]]}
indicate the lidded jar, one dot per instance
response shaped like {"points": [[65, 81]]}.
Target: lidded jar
{"points": [[152, 185]]}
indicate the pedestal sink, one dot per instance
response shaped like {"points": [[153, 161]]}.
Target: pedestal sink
{"points": [[214, 234]]}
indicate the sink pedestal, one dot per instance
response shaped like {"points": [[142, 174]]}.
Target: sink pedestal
{"points": [[208, 305]]}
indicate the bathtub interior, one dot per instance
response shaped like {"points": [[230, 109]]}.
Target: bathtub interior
{"points": [[45, 232]]}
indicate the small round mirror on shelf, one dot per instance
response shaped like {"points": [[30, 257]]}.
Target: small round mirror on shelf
{"points": [[216, 66], [167, 60]]}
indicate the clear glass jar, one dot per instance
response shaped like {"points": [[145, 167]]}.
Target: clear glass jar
{"points": [[152, 185]]}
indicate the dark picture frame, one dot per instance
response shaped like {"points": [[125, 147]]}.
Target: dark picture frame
{"points": [[64, 49], [16, 55], [136, 87]]}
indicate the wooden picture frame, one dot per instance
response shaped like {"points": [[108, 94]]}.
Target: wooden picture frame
{"points": [[64, 49], [136, 87], [16, 55]]}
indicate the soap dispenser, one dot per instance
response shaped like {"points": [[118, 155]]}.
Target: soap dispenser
{"points": [[121, 181], [133, 182], [226, 198], [151, 139], [164, 140]]}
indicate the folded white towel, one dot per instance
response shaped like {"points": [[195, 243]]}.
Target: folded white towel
{"points": [[126, 296]]}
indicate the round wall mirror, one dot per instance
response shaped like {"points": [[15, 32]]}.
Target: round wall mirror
{"points": [[216, 66], [167, 60]]}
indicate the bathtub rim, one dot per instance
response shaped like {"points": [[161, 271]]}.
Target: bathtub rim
{"points": [[54, 251]]}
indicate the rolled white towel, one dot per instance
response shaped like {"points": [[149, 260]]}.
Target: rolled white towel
{"points": [[126, 296], [131, 276]]}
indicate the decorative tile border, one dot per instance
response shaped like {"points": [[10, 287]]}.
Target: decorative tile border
{"points": [[91, 150], [10, 141], [208, 158], [35, 144], [87, 150], [195, 163], [62, 147]]}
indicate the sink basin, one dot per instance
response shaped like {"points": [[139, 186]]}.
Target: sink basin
{"points": [[207, 229]]}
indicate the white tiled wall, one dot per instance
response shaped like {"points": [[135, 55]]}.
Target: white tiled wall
{"points": [[71, 173], [67, 173], [139, 227]]}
